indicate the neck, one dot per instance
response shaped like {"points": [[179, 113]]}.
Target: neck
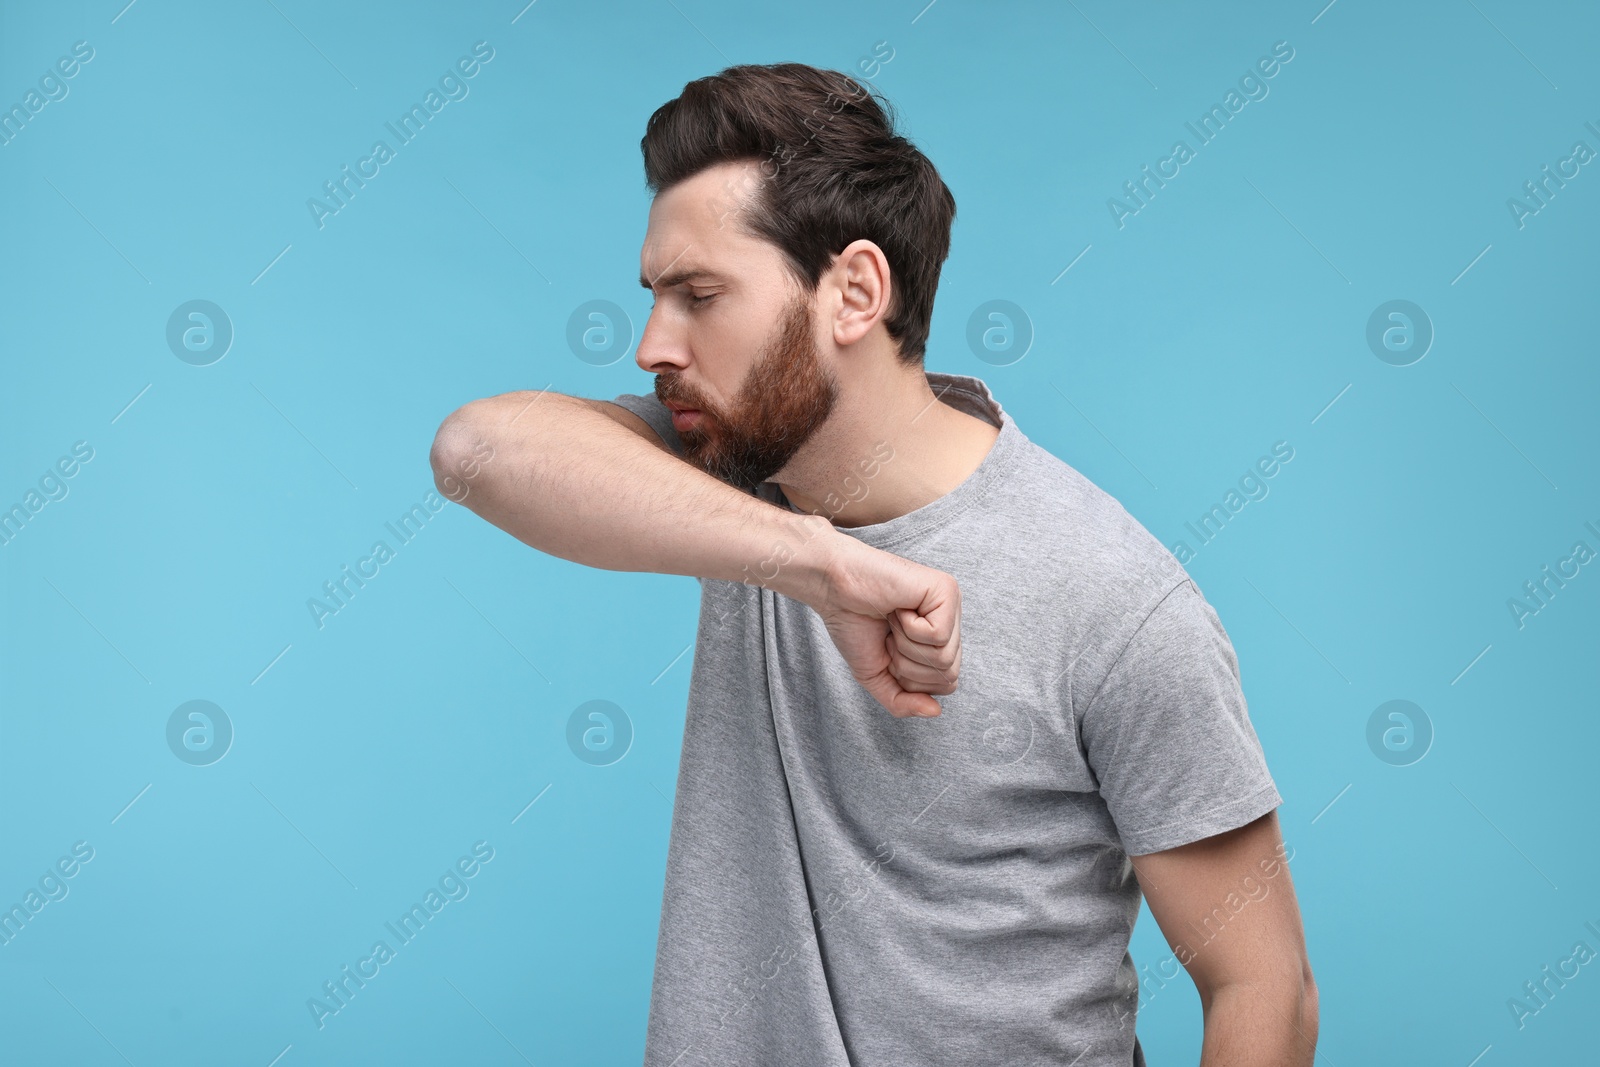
{"points": [[896, 449]]}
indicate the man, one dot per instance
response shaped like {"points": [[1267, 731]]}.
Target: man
{"points": [[871, 864]]}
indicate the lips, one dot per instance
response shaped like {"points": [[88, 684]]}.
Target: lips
{"points": [[684, 416]]}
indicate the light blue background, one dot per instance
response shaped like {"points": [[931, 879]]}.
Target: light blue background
{"points": [[1228, 314]]}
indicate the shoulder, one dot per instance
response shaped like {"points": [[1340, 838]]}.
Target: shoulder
{"points": [[1093, 569], [1106, 556]]}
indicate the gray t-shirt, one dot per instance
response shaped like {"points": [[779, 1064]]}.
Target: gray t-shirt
{"points": [[844, 887]]}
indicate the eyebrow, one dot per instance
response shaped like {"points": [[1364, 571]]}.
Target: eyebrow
{"points": [[678, 277]]}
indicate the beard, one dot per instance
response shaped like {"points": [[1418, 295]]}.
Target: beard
{"points": [[786, 395]]}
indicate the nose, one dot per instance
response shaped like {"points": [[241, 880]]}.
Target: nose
{"points": [[661, 349]]}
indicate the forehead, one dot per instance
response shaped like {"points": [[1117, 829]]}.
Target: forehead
{"points": [[694, 225]]}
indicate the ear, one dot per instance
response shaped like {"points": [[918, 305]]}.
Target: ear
{"points": [[861, 279]]}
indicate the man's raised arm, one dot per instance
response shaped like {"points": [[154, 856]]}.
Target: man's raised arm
{"points": [[569, 480]]}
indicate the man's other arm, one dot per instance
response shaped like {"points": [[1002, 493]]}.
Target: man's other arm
{"points": [[1227, 907]]}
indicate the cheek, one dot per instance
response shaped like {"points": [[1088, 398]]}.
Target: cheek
{"points": [[723, 361]]}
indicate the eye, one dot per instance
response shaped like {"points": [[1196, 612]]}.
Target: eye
{"points": [[699, 301]]}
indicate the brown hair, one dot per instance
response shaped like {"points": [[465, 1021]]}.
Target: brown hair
{"points": [[835, 172]]}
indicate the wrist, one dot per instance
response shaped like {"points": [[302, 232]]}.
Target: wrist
{"points": [[804, 564]]}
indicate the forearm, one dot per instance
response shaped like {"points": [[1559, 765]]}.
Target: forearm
{"points": [[573, 483], [1260, 1025]]}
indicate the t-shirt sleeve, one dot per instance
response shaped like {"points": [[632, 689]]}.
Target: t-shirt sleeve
{"points": [[1168, 734], [649, 407]]}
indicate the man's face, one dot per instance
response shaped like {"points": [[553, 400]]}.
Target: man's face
{"points": [[785, 396], [730, 335]]}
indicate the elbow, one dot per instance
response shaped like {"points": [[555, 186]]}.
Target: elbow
{"points": [[1297, 1007], [1284, 999], [1308, 1004], [457, 451], [470, 438], [445, 440]]}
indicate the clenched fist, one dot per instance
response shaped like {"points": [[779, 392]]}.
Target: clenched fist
{"points": [[897, 623]]}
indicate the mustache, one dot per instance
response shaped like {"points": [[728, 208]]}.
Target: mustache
{"points": [[671, 390]]}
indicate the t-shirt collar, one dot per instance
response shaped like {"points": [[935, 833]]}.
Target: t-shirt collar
{"points": [[973, 396]]}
